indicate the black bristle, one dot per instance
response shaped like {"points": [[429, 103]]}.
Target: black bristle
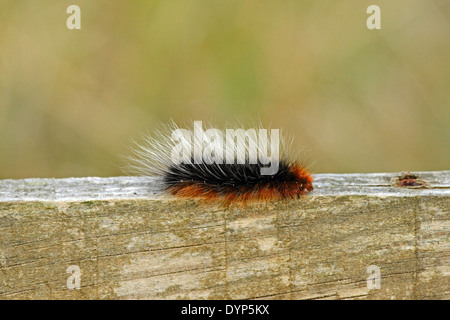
{"points": [[220, 177]]}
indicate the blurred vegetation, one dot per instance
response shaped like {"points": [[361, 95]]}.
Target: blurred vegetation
{"points": [[358, 100]]}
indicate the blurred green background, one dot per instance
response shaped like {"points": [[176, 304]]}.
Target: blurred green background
{"points": [[358, 100]]}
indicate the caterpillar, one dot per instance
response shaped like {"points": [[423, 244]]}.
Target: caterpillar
{"points": [[228, 166]]}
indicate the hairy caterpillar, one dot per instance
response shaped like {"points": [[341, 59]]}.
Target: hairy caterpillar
{"points": [[228, 166]]}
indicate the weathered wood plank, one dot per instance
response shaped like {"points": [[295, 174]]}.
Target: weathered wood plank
{"points": [[129, 241]]}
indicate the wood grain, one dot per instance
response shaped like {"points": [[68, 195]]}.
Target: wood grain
{"points": [[131, 242]]}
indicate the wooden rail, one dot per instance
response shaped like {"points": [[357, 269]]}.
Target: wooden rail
{"points": [[118, 238]]}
